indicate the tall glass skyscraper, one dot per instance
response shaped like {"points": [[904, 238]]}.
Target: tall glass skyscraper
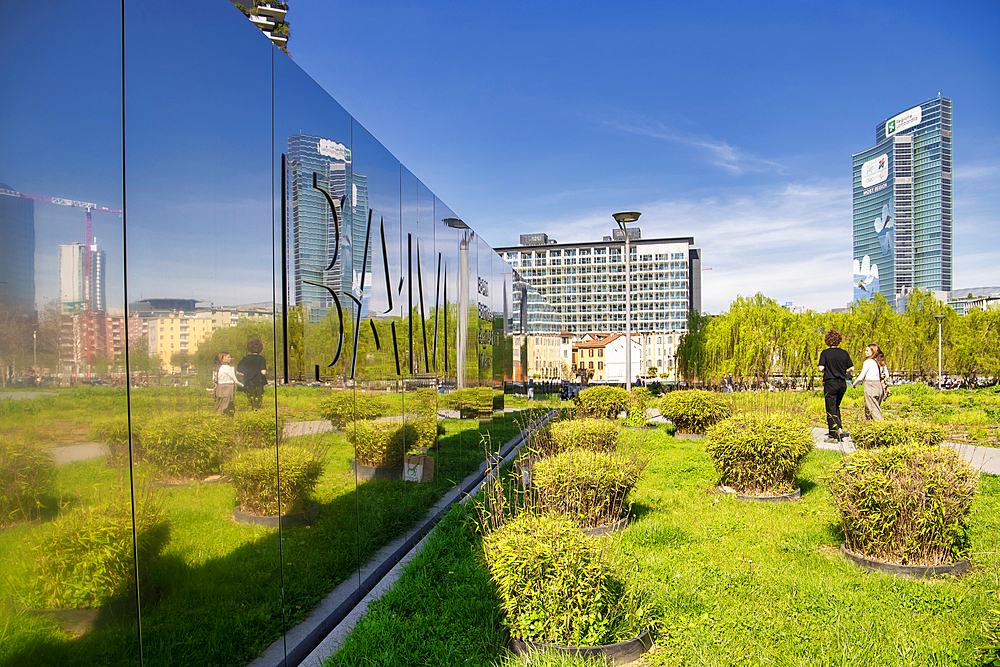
{"points": [[903, 204]]}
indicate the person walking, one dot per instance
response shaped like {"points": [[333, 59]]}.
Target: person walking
{"points": [[225, 387], [872, 375], [836, 366], [253, 368]]}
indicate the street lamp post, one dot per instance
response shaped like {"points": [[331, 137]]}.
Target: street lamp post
{"points": [[621, 219], [939, 318]]}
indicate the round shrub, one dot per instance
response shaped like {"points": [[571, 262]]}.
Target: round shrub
{"points": [[113, 432], [380, 443], [603, 402], [694, 410], [25, 472], [346, 406], [427, 428], [891, 432], [85, 557], [261, 483], [598, 435], [258, 428], [185, 446], [905, 504], [641, 397], [589, 487], [558, 586], [759, 455]]}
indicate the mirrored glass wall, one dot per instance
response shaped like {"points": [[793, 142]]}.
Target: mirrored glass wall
{"points": [[243, 348]]}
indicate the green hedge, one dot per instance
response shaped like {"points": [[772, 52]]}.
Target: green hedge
{"points": [[85, 557], [603, 402], [25, 473], [905, 504], [473, 401], [694, 410], [589, 487], [892, 432], [759, 455], [380, 443], [558, 586], [599, 435], [346, 406], [255, 475]]}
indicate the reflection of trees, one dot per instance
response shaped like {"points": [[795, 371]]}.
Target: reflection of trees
{"points": [[139, 358], [15, 340]]}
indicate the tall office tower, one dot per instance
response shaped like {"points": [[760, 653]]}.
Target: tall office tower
{"points": [[17, 251], [313, 228], [902, 205], [585, 283], [73, 289]]}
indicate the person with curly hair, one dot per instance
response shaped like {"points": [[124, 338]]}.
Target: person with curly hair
{"points": [[253, 368], [836, 366]]}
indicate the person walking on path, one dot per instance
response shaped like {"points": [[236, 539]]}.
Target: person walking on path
{"points": [[836, 366], [253, 368], [871, 375], [225, 387]]}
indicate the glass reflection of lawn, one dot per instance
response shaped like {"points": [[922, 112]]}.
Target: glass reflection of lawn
{"points": [[217, 581]]}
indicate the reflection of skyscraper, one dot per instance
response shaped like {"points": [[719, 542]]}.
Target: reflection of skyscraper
{"points": [[313, 225], [72, 286], [17, 251], [902, 204]]}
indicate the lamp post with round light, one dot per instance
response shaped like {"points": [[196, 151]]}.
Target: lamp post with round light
{"points": [[621, 219], [939, 318]]}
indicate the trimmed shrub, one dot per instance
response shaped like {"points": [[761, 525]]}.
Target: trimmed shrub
{"points": [[694, 410], [759, 455], [905, 504], [260, 487], [598, 435], [892, 432], [113, 432], [258, 428], [474, 401], [641, 397], [427, 428], [186, 446], [380, 444], [589, 487], [85, 557], [558, 586], [603, 402], [346, 406], [25, 472]]}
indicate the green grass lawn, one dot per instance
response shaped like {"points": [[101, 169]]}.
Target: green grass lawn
{"points": [[736, 583]]}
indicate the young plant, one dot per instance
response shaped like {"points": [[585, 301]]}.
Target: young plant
{"points": [[265, 488], [693, 411], [25, 472], [907, 504], [603, 402], [599, 435], [114, 432], [759, 454], [891, 432], [380, 444]]}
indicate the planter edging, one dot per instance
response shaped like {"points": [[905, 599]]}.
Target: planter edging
{"points": [[784, 498], [616, 654], [366, 473], [913, 571], [608, 529], [297, 519]]}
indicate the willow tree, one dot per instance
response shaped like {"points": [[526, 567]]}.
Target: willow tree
{"points": [[691, 353], [753, 340], [975, 344]]}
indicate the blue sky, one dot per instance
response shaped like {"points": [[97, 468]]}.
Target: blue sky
{"points": [[732, 122]]}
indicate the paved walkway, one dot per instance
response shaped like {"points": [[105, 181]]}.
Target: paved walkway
{"points": [[983, 459]]}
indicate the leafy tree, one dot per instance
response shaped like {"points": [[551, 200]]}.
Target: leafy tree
{"points": [[691, 353], [181, 359]]}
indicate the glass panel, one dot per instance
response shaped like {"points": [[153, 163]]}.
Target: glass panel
{"points": [[200, 311], [62, 332]]}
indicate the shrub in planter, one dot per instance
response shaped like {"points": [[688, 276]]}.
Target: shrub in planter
{"points": [[381, 444], [598, 435], [759, 454], [428, 430], [25, 472], [466, 401], [85, 557], [346, 406], [589, 487], [187, 446], [907, 504], [258, 428], [558, 586], [603, 402], [113, 432], [891, 432], [694, 410], [260, 487]]}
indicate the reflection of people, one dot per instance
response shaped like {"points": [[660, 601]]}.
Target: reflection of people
{"points": [[253, 368], [225, 386], [871, 375], [836, 366], [531, 388], [638, 382]]}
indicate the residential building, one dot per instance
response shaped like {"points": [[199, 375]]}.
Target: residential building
{"points": [[584, 283], [903, 205], [182, 331], [269, 16], [550, 355]]}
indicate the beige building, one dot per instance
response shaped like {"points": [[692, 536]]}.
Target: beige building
{"points": [[185, 331], [550, 355]]}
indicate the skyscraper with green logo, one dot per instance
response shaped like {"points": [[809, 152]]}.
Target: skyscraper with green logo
{"points": [[903, 204]]}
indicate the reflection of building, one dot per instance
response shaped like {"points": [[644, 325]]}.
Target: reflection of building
{"points": [[903, 205], [602, 355], [269, 16], [584, 283], [17, 251], [73, 286], [86, 336]]}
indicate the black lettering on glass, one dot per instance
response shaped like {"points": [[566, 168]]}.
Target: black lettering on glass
{"points": [[385, 265], [395, 346], [437, 305], [357, 320], [336, 220], [340, 319], [423, 316]]}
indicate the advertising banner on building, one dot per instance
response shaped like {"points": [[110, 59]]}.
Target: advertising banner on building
{"points": [[875, 228]]}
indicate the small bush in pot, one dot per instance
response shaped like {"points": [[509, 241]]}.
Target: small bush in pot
{"points": [[907, 504], [694, 410], [344, 407], [186, 446], [589, 487], [603, 402], [557, 586], [258, 428], [599, 435], [759, 454], [262, 483], [380, 444], [891, 432], [428, 430], [25, 472]]}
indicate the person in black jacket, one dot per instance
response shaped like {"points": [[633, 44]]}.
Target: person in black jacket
{"points": [[253, 368], [836, 366]]}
